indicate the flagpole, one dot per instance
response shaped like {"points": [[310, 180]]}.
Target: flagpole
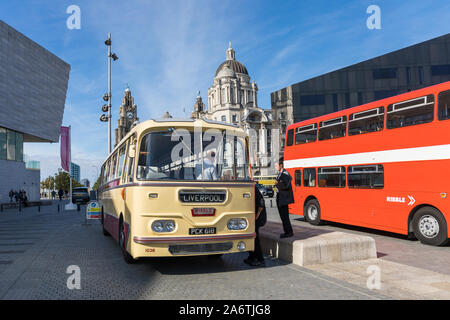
{"points": [[70, 205], [70, 162]]}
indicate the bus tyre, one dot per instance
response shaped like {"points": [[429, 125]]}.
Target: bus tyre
{"points": [[123, 246], [312, 212], [430, 226], [105, 232]]}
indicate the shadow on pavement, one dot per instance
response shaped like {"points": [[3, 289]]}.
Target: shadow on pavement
{"points": [[206, 264]]}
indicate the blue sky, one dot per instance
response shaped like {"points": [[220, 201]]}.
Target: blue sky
{"points": [[168, 50]]}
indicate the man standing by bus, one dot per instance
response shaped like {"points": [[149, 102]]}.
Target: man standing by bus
{"points": [[285, 196], [256, 257]]}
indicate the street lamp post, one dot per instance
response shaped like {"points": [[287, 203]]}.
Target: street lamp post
{"points": [[107, 96]]}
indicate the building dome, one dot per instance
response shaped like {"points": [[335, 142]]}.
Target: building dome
{"points": [[234, 65], [225, 71]]}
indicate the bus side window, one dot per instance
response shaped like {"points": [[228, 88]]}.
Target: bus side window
{"points": [[332, 177], [121, 161], [102, 176], [290, 138], [298, 178], [369, 176], [107, 171], [411, 112], [113, 167], [444, 105], [130, 170], [309, 177], [333, 128], [366, 121]]}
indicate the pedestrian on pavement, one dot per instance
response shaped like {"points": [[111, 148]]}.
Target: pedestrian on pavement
{"points": [[256, 257], [53, 195], [24, 198], [11, 195], [60, 194], [285, 196]]}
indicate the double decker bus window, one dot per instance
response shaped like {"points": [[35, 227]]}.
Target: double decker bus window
{"points": [[411, 112], [366, 121], [334, 128], [332, 177], [309, 177], [290, 137], [306, 134], [298, 178], [444, 105], [369, 176]]}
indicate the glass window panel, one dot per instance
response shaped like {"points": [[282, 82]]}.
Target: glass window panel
{"points": [[121, 161], [415, 111], [3, 144], [370, 176], [298, 178], [334, 128], [11, 145], [19, 146], [290, 137], [174, 156], [444, 105], [309, 177], [332, 177], [366, 121]]}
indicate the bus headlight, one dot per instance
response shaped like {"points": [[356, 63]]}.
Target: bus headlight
{"points": [[237, 224], [163, 226]]}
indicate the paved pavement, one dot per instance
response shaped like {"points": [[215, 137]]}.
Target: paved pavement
{"points": [[406, 269], [390, 246], [37, 248]]}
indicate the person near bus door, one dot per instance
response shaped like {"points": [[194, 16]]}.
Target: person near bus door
{"points": [[285, 196], [256, 258]]}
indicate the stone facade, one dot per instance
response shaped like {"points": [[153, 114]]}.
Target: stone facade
{"points": [[233, 98], [127, 116]]}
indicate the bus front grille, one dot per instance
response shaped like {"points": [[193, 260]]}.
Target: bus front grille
{"points": [[178, 249]]}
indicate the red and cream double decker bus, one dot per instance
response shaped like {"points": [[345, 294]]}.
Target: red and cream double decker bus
{"points": [[383, 165]]}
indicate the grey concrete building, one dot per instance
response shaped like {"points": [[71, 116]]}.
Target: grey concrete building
{"points": [[33, 87], [414, 67]]}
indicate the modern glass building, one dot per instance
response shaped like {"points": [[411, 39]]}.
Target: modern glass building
{"points": [[414, 67], [75, 171], [33, 87]]}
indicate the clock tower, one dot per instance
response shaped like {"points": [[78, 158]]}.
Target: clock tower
{"points": [[127, 115]]}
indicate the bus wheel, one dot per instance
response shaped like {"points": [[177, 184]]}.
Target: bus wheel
{"points": [[122, 243], [430, 226], [312, 212], [105, 232]]}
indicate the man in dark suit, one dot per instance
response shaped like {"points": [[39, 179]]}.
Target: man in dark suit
{"points": [[256, 258], [285, 196]]}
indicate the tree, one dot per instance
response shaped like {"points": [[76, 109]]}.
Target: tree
{"points": [[96, 184], [63, 182]]}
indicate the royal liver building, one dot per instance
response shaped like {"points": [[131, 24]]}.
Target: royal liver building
{"points": [[233, 98]]}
